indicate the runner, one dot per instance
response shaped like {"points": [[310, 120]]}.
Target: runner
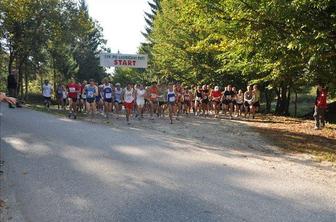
{"points": [[239, 102], [187, 100], [171, 101], [65, 98], [73, 90], [320, 106], [128, 99], [99, 99], [59, 96], [91, 92], [140, 99], [83, 96], [117, 99], [234, 100], [161, 101], [228, 100], [216, 96], [255, 100], [80, 103], [193, 93], [198, 100], [179, 98], [248, 95], [107, 95], [205, 100], [47, 92], [153, 99]]}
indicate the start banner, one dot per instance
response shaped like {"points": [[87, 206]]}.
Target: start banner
{"points": [[123, 60]]}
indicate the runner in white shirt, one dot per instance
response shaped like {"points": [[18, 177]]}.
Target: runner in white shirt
{"points": [[47, 92], [128, 98], [140, 99]]}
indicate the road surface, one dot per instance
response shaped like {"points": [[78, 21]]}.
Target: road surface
{"points": [[58, 169]]}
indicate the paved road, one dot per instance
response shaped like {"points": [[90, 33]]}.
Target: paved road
{"points": [[65, 170]]}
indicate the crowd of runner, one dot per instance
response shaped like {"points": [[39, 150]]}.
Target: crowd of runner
{"points": [[157, 100]]}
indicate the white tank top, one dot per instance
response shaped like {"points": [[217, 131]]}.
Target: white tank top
{"points": [[128, 96], [141, 94]]}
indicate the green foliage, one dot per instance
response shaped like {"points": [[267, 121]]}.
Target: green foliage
{"points": [[50, 38], [281, 45]]}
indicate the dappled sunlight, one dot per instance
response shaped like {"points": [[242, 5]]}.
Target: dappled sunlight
{"points": [[25, 147]]}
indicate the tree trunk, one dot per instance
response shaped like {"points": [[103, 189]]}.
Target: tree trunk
{"points": [[283, 99], [26, 82], [295, 104], [268, 97], [277, 108], [55, 76], [19, 63], [287, 103]]}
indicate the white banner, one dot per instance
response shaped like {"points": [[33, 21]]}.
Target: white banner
{"points": [[123, 60]]}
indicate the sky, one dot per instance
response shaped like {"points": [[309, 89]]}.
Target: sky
{"points": [[122, 21]]}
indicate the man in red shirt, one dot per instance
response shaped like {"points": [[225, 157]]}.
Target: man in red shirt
{"points": [[73, 92], [320, 106]]}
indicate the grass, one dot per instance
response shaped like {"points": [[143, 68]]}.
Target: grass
{"points": [[298, 136]]}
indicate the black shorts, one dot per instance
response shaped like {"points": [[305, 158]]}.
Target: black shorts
{"points": [[161, 103], [205, 101], [47, 99], [188, 103], [256, 104], [246, 104], [108, 100], [227, 102], [90, 100], [118, 102]]}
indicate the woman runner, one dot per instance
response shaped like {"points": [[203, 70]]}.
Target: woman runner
{"points": [[228, 100], [205, 100], [140, 99], [171, 101], [128, 98], [153, 99], [83, 97], [248, 96], [91, 91], [239, 102], [216, 96], [59, 95], [107, 95], [187, 98], [198, 100], [117, 99], [255, 100]]}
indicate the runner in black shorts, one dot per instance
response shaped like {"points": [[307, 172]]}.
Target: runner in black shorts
{"points": [[228, 100], [198, 100], [205, 100]]}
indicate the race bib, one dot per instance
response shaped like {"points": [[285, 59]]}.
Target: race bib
{"points": [[153, 95], [72, 89], [90, 94], [228, 97], [108, 95], [172, 99]]}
